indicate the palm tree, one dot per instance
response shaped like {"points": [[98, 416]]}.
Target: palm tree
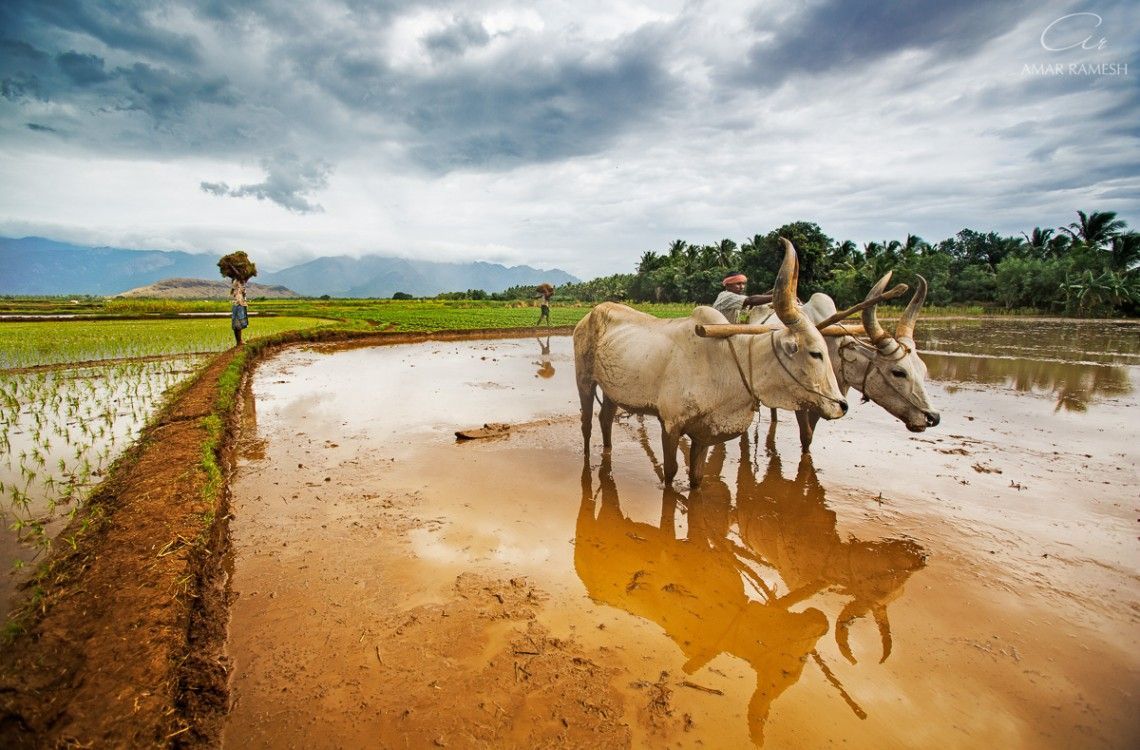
{"points": [[1125, 252], [725, 253], [1095, 229], [650, 261]]}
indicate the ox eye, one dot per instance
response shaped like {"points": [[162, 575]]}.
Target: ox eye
{"points": [[899, 373], [816, 355]]}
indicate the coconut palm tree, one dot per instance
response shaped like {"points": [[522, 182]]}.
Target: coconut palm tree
{"points": [[1124, 252], [1095, 229]]}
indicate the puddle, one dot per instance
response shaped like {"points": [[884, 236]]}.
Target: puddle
{"points": [[973, 585]]}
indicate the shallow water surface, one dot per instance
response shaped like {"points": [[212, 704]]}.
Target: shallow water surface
{"points": [[975, 585]]}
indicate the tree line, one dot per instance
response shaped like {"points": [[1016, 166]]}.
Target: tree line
{"points": [[1090, 267]]}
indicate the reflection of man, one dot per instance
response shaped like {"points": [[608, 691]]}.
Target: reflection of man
{"points": [[732, 300], [545, 369]]}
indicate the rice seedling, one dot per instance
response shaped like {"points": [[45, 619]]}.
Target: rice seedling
{"points": [[60, 430]]}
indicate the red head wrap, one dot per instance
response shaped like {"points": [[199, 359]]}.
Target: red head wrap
{"points": [[736, 278]]}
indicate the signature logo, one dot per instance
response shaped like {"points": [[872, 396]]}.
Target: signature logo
{"points": [[1066, 33]]}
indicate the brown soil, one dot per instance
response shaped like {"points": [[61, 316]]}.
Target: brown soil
{"points": [[125, 643]]}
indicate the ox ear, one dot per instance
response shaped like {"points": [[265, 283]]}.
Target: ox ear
{"points": [[784, 293], [904, 331]]}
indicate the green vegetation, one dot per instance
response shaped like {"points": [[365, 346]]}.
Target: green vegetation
{"points": [[27, 344], [1090, 268], [74, 394]]}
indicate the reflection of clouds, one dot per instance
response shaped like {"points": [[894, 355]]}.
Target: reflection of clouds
{"points": [[1074, 384], [709, 594]]}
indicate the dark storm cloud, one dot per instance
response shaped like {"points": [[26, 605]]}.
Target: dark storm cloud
{"points": [[163, 94], [533, 115], [846, 36], [537, 100], [82, 70], [121, 24], [462, 34], [287, 182], [83, 80]]}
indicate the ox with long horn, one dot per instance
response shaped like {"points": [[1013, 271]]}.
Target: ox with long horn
{"points": [[704, 388], [888, 372]]}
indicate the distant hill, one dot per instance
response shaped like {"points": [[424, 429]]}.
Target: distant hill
{"points": [[203, 289], [375, 276], [37, 266]]}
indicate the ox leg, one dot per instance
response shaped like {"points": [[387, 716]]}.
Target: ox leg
{"points": [[587, 398], [606, 419], [774, 418], [807, 419], [669, 453], [697, 453]]}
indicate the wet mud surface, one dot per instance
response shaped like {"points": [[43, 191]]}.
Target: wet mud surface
{"points": [[976, 585]]}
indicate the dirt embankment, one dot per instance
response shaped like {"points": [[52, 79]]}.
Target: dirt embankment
{"points": [[111, 651], [122, 640]]}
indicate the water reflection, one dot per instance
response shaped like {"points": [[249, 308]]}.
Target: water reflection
{"points": [[1077, 362], [545, 369], [1074, 385], [712, 595], [1105, 342]]}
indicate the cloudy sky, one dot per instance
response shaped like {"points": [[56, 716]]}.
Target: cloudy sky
{"points": [[559, 133]]}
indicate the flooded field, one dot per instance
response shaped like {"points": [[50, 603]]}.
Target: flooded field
{"points": [[976, 585], [61, 428]]}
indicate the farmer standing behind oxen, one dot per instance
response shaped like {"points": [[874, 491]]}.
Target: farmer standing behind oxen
{"points": [[732, 300]]}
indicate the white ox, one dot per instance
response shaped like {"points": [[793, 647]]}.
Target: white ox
{"points": [[888, 371], [705, 388]]}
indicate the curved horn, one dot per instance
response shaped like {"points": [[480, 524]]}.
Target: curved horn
{"points": [[784, 300], [905, 327], [879, 612], [870, 319], [852, 612]]}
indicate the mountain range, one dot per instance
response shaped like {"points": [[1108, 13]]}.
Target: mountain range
{"points": [[38, 266]]}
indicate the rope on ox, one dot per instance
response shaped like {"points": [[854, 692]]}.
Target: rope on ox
{"points": [[776, 353], [900, 353]]}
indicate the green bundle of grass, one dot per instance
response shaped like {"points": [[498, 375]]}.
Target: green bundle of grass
{"points": [[237, 265]]}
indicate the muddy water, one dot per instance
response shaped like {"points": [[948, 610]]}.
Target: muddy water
{"points": [[976, 585]]}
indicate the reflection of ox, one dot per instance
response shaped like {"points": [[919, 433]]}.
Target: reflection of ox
{"points": [[692, 588], [887, 371], [788, 524], [706, 389]]}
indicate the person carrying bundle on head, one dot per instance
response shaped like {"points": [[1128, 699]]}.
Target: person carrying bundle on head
{"points": [[545, 291], [239, 269]]}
